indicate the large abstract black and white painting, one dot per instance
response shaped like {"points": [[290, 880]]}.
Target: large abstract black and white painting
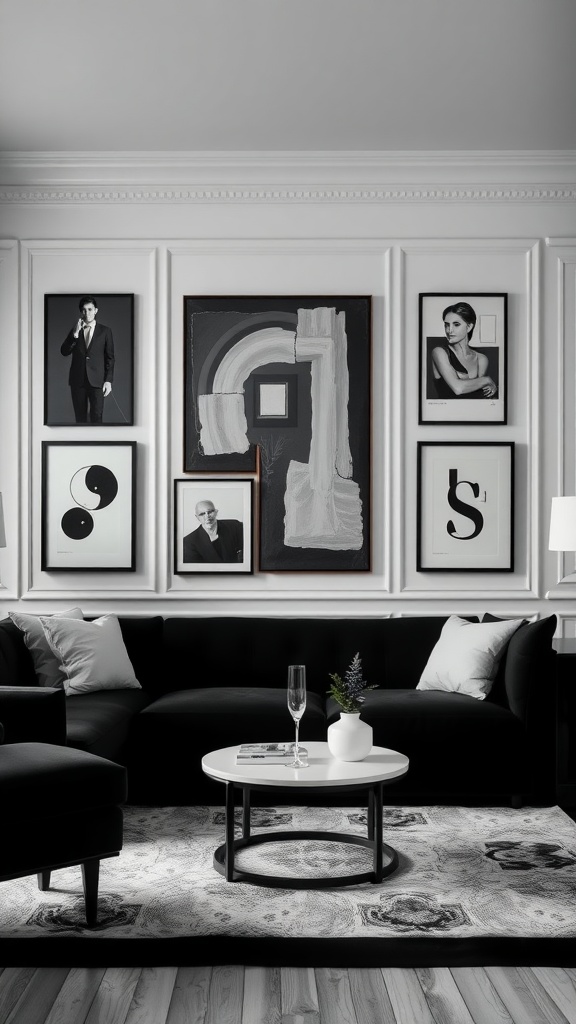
{"points": [[465, 506], [88, 505], [280, 386]]}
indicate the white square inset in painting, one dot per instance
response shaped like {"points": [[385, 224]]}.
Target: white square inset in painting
{"points": [[273, 400]]}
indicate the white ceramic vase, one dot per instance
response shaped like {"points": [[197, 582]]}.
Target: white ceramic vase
{"points": [[349, 739]]}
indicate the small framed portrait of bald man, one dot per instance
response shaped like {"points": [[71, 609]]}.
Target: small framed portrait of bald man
{"points": [[213, 522]]}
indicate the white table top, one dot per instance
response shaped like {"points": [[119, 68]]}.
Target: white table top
{"points": [[323, 769]]}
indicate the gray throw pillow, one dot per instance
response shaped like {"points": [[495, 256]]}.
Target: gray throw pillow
{"points": [[92, 655], [46, 664]]}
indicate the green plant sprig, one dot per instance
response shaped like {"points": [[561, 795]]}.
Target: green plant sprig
{"points": [[349, 692]]}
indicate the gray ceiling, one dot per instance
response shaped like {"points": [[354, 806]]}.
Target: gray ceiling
{"points": [[287, 75]]}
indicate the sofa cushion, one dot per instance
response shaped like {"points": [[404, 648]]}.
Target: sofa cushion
{"points": [[16, 665], [47, 665], [257, 651], [225, 715], [465, 658], [100, 722], [529, 658], [143, 636], [453, 743], [92, 655], [43, 780], [170, 737]]}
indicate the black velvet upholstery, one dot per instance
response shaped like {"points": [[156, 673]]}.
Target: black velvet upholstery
{"points": [[16, 665], [99, 722], [470, 744], [181, 727], [256, 652], [75, 837], [217, 681], [41, 780], [33, 713], [59, 807]]}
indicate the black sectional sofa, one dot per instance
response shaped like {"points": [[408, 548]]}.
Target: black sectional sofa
{"points": [[210, 682]]}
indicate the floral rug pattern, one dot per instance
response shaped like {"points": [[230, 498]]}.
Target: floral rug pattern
{"points": [[463, 872]]}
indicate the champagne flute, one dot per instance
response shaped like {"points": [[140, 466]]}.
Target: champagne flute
{"points": [[296, 697]]}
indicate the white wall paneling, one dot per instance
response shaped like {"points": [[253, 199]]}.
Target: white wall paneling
{"points": [[9, 419], [482, 265], [291, 267], [68, 267], [169, 225], [563, 279], [566, 629]]}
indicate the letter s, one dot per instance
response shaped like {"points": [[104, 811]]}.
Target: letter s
{"points": [[463, 508]]}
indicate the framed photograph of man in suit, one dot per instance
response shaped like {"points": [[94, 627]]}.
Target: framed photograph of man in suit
{"points": [[88, 360], [213, 522]]}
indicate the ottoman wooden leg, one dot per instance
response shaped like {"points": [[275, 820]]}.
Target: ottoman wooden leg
{"points": [[90, 874]]}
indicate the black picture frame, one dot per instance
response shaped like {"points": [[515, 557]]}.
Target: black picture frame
{"points": [[116, 315], [88, 506], [321, 450], [194, 552], [488, 338], [481, 516]]}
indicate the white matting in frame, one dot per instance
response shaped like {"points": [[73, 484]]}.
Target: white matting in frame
{"points": [[463, 379], [465, 507], [88, 506], [195, 551]]}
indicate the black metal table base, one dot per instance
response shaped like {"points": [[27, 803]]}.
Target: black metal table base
{"points": [[384, 857]]}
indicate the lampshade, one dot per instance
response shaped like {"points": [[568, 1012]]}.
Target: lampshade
{"points": [[563, 524], [2, 531]]}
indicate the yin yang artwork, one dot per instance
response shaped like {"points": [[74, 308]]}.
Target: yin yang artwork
{"points": [[88, 506], [93, 488]]}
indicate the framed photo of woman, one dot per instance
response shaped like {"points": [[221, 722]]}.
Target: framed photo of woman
{"points": [[463, 357]]}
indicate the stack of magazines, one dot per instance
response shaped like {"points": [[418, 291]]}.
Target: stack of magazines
{"points": [[265, 753]]}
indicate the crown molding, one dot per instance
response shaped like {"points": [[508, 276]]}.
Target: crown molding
{"points": [[394, 194], [287, 177]]}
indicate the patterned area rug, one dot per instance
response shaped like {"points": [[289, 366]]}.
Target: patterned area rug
{"points": [[465, 874]]}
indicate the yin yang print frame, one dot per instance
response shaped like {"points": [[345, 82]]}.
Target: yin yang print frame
{"points": [[88, 506], [465, 506]]}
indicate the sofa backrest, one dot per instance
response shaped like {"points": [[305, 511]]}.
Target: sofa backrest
{"points": [[228, 651], [16, 665], [182, 652], [142, 636]]}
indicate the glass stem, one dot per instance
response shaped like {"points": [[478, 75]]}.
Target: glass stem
{"points": [[296, 750]]}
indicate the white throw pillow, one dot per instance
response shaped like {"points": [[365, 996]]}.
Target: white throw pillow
{"points": [[466, 656], [92, 655], [46, 664]]}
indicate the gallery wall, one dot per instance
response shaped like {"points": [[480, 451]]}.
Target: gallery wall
{"points": [[455, 230]]}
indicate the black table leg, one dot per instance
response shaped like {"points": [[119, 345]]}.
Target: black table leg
{"points": [[246, 813], [371, 813], [384, 857], [229, 817], [376, 794]]}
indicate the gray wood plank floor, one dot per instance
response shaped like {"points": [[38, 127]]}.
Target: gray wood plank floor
{"points": [[234, 994]]}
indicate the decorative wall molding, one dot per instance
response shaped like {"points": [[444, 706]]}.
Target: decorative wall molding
{"points": [[355, 177], [110, 195], [564, 250]]}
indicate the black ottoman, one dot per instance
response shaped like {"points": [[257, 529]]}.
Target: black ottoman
{"points": [[60, 807]]}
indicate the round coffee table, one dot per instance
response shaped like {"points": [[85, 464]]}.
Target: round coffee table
{"points": [[381, 766]]}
